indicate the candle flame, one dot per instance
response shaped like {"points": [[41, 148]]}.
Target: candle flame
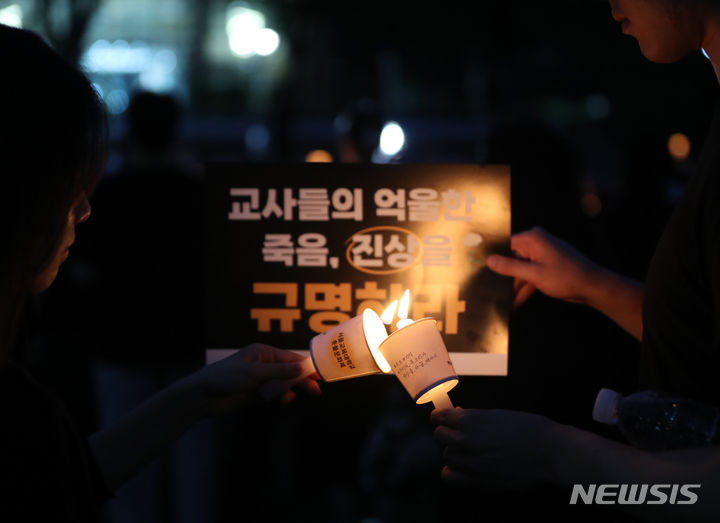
{"points": [[375, 334], [389, 313], [404, 305]]}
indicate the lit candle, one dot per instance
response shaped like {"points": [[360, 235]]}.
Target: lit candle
{"points": [[403, 320], [418, 357], [348, 350], [414, 352]]}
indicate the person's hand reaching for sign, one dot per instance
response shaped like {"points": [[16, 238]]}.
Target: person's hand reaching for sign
{"points": [[553, 267], [547, 264]]}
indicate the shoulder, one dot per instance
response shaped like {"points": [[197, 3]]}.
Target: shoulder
{"points": [[19, 390], [41, 452], [33, 417], [709, 177], [29, 431]]}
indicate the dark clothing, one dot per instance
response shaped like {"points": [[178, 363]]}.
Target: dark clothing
{"points": [[47, 471], [144, 248], [681, 305]]}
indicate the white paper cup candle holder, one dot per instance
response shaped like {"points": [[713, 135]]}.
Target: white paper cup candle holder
{"points": [[414, 352]]}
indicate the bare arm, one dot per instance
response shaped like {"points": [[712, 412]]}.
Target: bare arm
{"points": [[504, 449], [585, 458], [124, 448], [553, 267], [617, 297]]}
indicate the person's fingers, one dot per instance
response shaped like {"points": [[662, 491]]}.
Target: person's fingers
{"points": [[448, 437], [310, 386], [274, 387], [263, 353], [522, 294], [455, 477], [448, 417], [457, 459], [257, 352], [267, 371], [287, 356], [522, 269], [271, 389], [518, 284], [524, 242], [287, 396], [251, 348]]}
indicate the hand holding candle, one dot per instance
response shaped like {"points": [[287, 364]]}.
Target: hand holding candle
{"points": [[414, 352], [348, 350], [234, 381], [272, 389]]}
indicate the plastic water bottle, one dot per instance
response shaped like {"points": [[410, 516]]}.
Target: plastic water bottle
{"points": [[653, 420]]}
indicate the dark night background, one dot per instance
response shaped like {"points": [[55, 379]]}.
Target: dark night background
{"points": [[552, 88]]}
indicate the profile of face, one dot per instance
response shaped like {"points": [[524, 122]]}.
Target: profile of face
{"points": [[667, 30], [79, 212]]}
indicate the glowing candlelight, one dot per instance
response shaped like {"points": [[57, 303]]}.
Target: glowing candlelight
{"points": [[349, 350], [414, 352], [375, 334], [403, 310], [419, 358], [389, 313]]}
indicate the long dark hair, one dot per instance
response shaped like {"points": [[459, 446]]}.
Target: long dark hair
{"points": [[53, 143]]}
